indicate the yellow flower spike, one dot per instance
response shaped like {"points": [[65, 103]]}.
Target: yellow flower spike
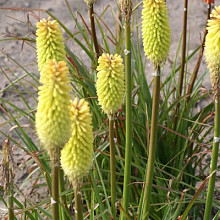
{"points": [[53, 115], [76, 156], [110, 83], [49, 42], [155, 30], [212, 49]]}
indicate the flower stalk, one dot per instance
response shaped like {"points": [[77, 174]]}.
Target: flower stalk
{"points": [[112, 165], [55, 184], [53, 119], [214, 161], [126, 9], [156, 41], [78, 202], [152, 146], [76, 156], [110, 90], [212, 55], [128, 146]]}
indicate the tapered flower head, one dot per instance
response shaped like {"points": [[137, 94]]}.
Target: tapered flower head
{"points": [[110, 83], [76, 156], [212, 49], [155, 30], [53, 115], [49, 41]]}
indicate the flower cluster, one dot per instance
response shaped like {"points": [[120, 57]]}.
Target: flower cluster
{"points": [[110, 83], [155, 30], [212, 49], [49, 42], [76, 156], [53, 115]]}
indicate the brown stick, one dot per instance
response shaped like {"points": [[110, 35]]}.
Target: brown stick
{"points": [[92, 21], [196, 69]]}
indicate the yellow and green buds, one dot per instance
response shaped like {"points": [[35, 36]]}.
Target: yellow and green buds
{"points": [[155, 30], [76, 156], [212, 49], [49, 42], [110, 83], [53, 115]]}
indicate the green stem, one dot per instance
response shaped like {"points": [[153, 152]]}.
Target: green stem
{"points": [[127, 170], [112, 165], [10, 193], [78, 202], [10, 208], [211, 185], [63, 207], [55, 184], [94, 37], [152, 146]]}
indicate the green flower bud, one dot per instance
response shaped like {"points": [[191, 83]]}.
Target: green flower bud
{"points": [[49, 42], [212, 49], [76, 156], [155, 30], [53, 115], [110, 83]]}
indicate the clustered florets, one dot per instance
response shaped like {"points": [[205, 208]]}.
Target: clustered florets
{"points": [[212, 49], [49, 42], [76, 156], [155, 30], [110, 83], [53, 115]]}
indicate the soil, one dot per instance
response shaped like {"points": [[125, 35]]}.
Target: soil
{"points": [[21, 23]]}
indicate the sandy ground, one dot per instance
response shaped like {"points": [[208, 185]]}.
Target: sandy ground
{"points": [[16, 23]]}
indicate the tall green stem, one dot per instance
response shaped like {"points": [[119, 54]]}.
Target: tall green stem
{"points": [[152, 146], [112, 165], [55, 184], [94, 37], [78, 202], [11, 193], [63, 205], [211, 185], [127, 171]]}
